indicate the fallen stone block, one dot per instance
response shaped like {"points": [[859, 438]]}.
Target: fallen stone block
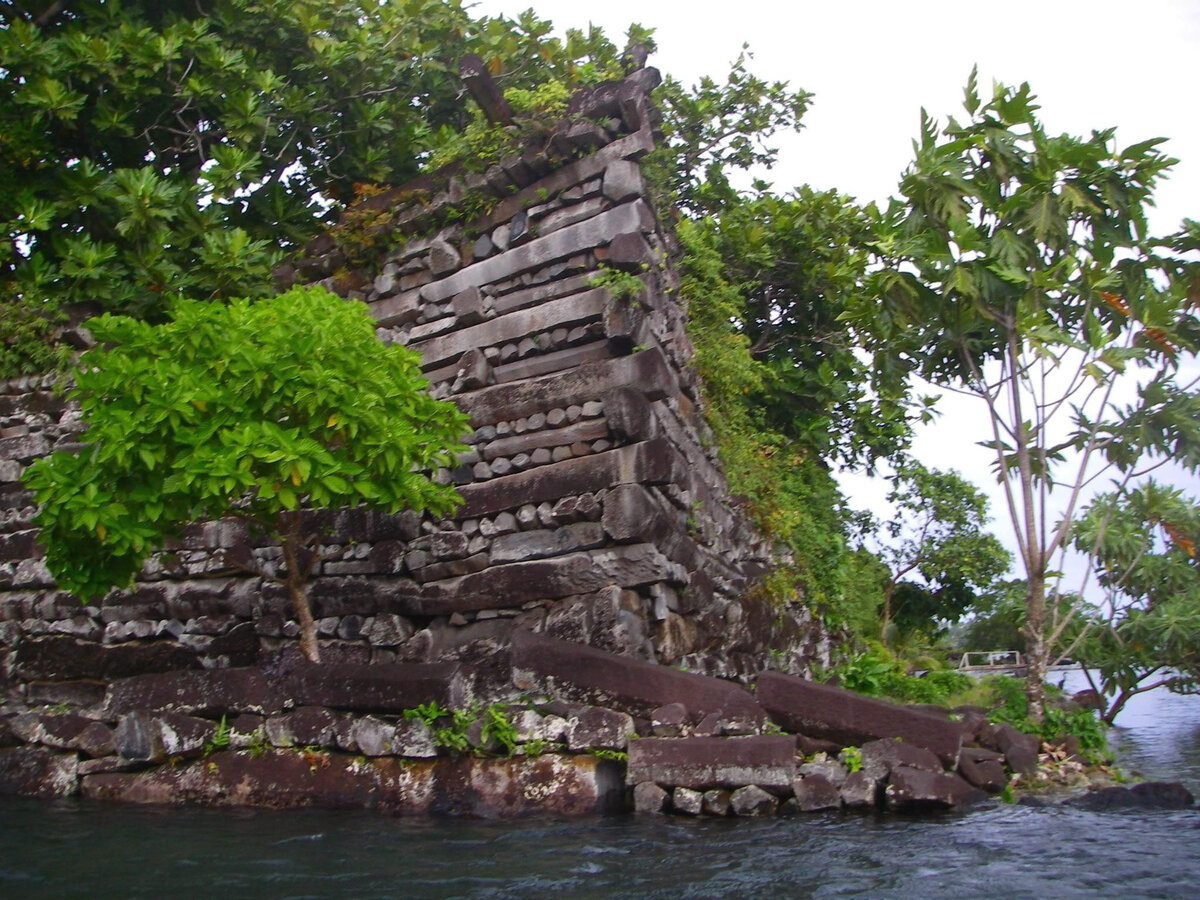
{"points": [[983, 768], [701, 763], [881, 756], [816, 792], [818, 710], [588, 675], [1020, 749], [600, 728], [752, 800], [915, 789], [860, 790]]}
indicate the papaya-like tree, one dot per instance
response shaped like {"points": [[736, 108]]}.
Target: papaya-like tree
{"points": [[1017, 269], [261, 411]]}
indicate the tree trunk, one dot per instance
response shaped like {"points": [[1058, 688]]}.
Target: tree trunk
{"points": [[1036, 651], [886, 618], [297, 589]]}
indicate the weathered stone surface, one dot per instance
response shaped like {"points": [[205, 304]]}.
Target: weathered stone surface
{"points": [[589, 675], [881, 756], [571, 310], [138, 738], [63, 658], [816, 792], [1147, 795], [647, 370], [859, 790], [377, 688], [698, 762], [686, 801], [212, 692], [516, 584], [716, 802], [304, 727], [37, 772], [526, 545], [825, 712], [414, 739], [650, 462], [373, 736], [752, 800], [648, 797], [482, 788], [912, 789], [669, 720], [829, 769], [183, 735], [982, 769], [600, 728], [1020, 749]]}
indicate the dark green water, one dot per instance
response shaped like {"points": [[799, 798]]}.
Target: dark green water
{"points": [[73, 849]]}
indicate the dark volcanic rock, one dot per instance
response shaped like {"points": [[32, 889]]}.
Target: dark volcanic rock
{"points": [[983, 768], [816, 792], [1020, 749], [377, 688], [699, 762], [752, 800], [1148, 795], [36, 772], [599, 727], [880, 757], [62, 658], [287, 779], [213, 692], [818, 710], [913, 789], [589, 675], [648, 797]]}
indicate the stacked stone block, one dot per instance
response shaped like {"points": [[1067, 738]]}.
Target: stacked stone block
{"points": [[594, 505]]}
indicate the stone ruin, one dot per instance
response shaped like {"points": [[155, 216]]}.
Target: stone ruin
{"points": [[599, 582], [594, 506]]}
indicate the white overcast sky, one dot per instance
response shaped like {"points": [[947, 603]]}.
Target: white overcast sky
{"points": [[873, 64]]}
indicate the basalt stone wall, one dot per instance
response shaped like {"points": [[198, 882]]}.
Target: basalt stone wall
{"points": [[594, 506]]}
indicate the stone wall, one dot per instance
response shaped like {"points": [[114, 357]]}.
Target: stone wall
{"points": [[595, 509]]}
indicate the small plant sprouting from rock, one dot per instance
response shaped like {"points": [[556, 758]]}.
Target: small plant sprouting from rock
{"points": [[613, 755], [620, 285], [851, 758], [219, 739], [450, 727]]}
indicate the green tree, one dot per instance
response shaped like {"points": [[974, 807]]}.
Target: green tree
{"points": [[260, 411], [1018, 270], [1146, 632], [154, 150], [935, 550]]}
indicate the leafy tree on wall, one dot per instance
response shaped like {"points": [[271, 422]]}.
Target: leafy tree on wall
{"points": [[1018, 270], [261, 411]]}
